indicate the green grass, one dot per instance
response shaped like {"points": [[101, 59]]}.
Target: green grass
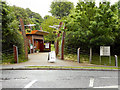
{"points": [[9, 59], [70, 67], [95, 59], [73, 57], [52, 47], [104, 60]]}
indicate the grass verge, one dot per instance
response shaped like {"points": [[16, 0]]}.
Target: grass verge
{"points": [[9, 59], [95, 59], [71, 67]]}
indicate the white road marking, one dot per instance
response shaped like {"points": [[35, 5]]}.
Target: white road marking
{"points": [[30, 84], [108, 77], [91, 82], [116, 86]]}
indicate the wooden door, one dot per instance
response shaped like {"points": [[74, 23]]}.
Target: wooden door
{"points": [[41, 45]]}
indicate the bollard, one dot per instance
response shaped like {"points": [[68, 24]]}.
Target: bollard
{"points": [[116, 61], [15, 49], [78, 55], [90, 55]]}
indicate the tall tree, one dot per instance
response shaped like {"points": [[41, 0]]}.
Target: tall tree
{"points": [[61, 8], [94, 26], [50, 21], [10, 26]]}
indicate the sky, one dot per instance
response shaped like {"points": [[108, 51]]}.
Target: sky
{"points": [[40, 6]]}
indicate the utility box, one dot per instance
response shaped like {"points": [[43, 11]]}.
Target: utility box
{"points": [[52, 57]]}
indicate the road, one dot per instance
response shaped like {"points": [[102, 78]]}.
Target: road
{"points": [[59, 79]]}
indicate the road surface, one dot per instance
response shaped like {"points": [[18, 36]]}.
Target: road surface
{"points": [[59, 79]]}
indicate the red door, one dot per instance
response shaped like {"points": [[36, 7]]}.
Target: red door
{"points": [[41, 45]]}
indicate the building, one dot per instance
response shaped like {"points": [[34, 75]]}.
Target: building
{"points": [[36, 40]]}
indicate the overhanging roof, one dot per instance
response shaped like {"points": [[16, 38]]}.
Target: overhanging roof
{"points": [[38, 32]]}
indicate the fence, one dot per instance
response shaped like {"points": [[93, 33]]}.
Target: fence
{"points": [[7, 56], [87, 55], [12, 56], [84, 57]]}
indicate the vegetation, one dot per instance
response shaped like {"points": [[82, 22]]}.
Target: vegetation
{"points": [[61, 8], [9, 59], [10, 33], [84, 58], [10, 30], [70, 67], [49, 21], [52, 47], [91, 27], [88, 26]]}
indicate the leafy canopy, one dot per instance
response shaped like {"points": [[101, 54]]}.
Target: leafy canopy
{"points": [[61, 8]]}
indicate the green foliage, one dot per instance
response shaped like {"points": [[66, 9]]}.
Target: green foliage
{"points": [[50, 21], [92, 26], [28, 16], [10, 33], [52, 47], [61, 8]]}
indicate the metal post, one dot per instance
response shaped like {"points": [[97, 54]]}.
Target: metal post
{"points": [[15, 49], [100, 59], [78, 55], [109, 59], [116, 61], [90, 55]]}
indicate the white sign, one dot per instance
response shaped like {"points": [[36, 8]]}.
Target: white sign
{"points": [[46, 45], [52, 57], [104, 50]]}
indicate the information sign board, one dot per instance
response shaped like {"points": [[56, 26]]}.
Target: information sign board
{"points": [[46, 45], [104, 50]]}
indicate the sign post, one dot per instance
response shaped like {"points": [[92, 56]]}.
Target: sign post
{"points": [[105, 51]]}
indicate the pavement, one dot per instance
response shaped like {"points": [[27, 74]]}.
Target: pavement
{"points": [[41, 59]]}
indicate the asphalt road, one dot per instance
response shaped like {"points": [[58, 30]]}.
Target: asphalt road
{"points": [[59, 79]]}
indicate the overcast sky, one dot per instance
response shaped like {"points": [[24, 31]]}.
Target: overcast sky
{"points": [[40, 6]]}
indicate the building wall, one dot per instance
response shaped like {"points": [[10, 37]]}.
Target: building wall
{"points": [[37, 41]]}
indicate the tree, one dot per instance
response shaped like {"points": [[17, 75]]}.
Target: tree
{"points": [[94, 26], [104, 27], [10, 26], [50, 21], [61, 8], [36, 19], [28, 16], [46, 17]]}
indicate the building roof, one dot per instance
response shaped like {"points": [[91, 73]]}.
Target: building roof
{"points": [[38, 32]]}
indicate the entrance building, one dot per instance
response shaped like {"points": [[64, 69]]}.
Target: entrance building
{"points": [[36, 40]]}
